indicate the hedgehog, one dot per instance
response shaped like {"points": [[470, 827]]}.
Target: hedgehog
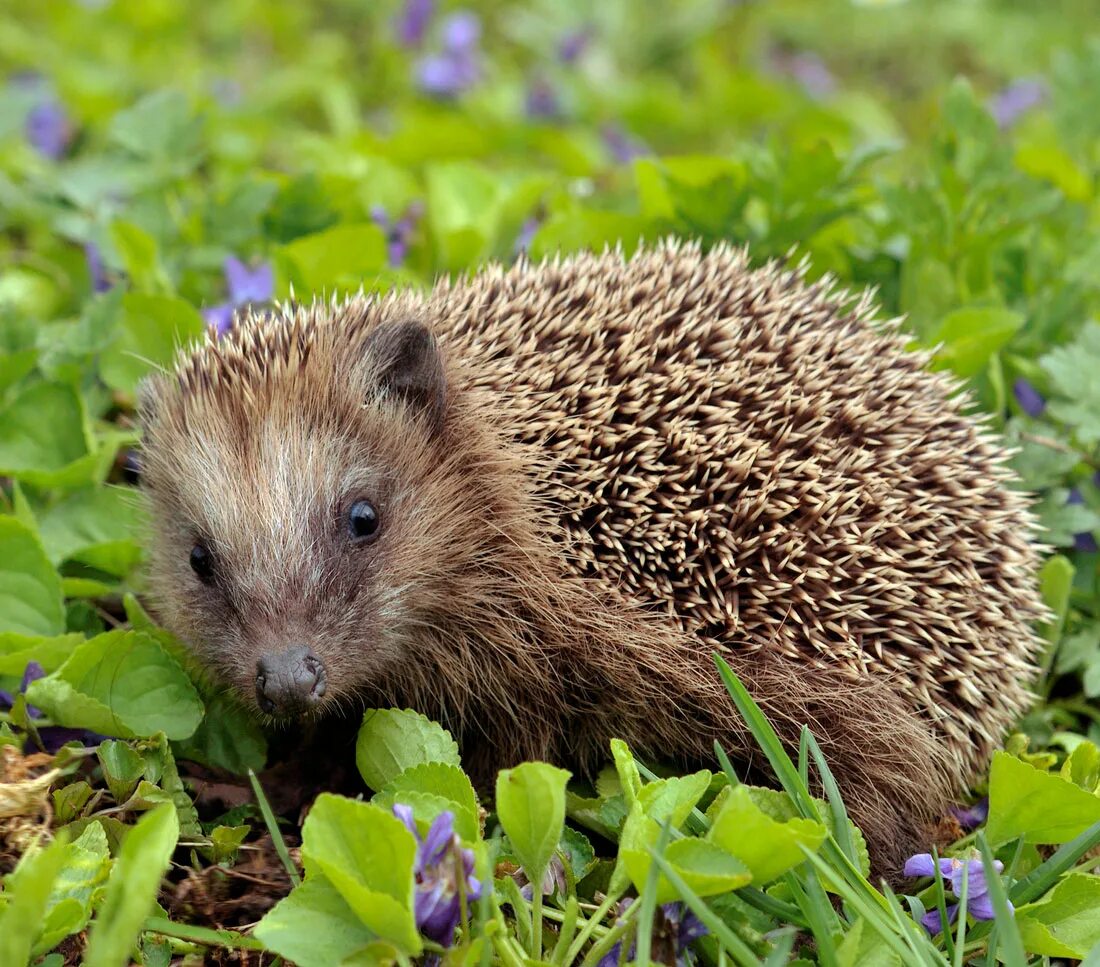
{"points": [[533, 503]]}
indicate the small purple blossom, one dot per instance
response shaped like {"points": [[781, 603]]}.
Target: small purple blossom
{"points": [[1084, 541], [573, 44], [53, 736], [412, 23], [971, 817], [978, 902], [526, 235], [457, 67], [96, 269], [1015, 100], [673, 918], [48, 128], [808, 70], [398, 231], [246, 286], [542, 99], [1030, 399], [441, 864], [624, 147]]}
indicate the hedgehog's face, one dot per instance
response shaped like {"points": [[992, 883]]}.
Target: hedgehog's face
{"points": [[303, 514]]}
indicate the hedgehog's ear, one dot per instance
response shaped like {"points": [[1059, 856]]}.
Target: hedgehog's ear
{"points": [[408, 364]]}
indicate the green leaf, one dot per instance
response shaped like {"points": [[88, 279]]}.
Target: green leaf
{"points": [[152, 331], [444, 781], [30, 589], [314, 926], [767, 848], [28, 891], [42, 434], [1055, 583], [672, 800], [87, 867], [1042, 807], [228, 737], [367, 854], [338, 259], [120, 683], [530, 803], [160, 128], [393, 740], [50, 652], [138, 251], [98, 526], [1072, 370], [122, 768], [971, 336], [132, 888], [1064, 923], [705, 867]]}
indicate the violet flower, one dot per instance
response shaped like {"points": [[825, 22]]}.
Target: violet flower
{"points": [[1030, 399], [574, 44], [971, 817], [808, 70], [673, 918], [441, 862], [246, 286], [526, 235], [96, 269], [1083, 541], [53, 736], [412, 23], [48, 129], [978, 902], [398, 231], [542, 100], [1015, 100], [624, 147], [458, 66]]}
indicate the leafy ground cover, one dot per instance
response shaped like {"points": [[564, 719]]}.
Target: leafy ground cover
{"points": [[164, 164]]}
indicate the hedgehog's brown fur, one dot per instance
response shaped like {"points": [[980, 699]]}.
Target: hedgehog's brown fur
{"points": [[633, 463]]}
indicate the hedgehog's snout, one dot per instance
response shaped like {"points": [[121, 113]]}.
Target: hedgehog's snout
{"points": [[289, 681]]}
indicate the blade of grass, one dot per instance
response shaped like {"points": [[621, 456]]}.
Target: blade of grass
{"points": [[842, 830], [1005, 933], [768, 740], [727, 766], [960, 931], [941, 906], [1043, 877], [783, 941], [273, 829], [729, 940], [229, 939], [820, 914], [649, 902], [567, 930]]}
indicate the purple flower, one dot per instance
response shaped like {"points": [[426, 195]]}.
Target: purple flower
{"points": [[574, 44], [971, 817], [1029, 398], [48, 128], [978, 902], [542, 100], [672, 918], [412, 23], [96, 269], [624, 147], [526, 235], [808, 70], [1019, 97], [399, 232], [53, 736], [1083, 541], [441, 863], [246, 286], [457, 67]]}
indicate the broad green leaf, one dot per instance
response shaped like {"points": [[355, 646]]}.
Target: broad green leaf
{"points": [[132, 888], [393, 740], [152, 330], [426, 807], [314, 926], [706, 868], [98, 526], [339, 259], [122, 768], [672, 800], [1042, 807], [530, 803], [120, 683], [367, 854], [767, 847], [1064, 923], [28, 890], [138, 251], [1055, 582], [228, 737], [30, 589], [87, 866], [445, 781], [971, 336], [50, 652], [42, 434]]}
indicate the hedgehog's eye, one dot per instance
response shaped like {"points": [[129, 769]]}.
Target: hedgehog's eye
{"points": [[202, 563], [363, 520]]}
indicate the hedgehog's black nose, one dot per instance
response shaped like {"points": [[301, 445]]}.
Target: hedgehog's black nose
{"points": [[289, 681]]}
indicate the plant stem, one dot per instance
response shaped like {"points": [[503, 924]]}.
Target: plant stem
{"points": [[536, 919], [591, 924]]}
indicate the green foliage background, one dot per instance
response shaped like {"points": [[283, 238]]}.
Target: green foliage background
{"points": [[858, 134]]}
